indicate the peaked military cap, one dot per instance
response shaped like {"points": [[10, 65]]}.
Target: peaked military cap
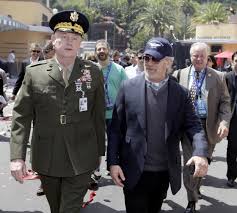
{"points": [[69, 21]]}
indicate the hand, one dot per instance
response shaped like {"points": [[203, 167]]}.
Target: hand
{"points": [[201, 165], [18, 169], [222, 131], [117, 175]]}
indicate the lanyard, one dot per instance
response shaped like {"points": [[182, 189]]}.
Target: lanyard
{"points": [[106, 76], [199, 83]]}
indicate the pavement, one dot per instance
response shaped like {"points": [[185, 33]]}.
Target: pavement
{"points": [[21, 198]]}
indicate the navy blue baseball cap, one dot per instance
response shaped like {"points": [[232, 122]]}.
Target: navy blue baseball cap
{"points": [[158, 48], [69, 21]]}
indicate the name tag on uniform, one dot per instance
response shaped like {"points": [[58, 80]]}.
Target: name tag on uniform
{"points": [[82, 104]]}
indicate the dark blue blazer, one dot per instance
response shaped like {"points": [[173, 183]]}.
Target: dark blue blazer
{"points": [[127, 145], [232, 88], [21, 76]]}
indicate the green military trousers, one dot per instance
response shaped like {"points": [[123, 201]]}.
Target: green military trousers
{"points": [[65, 194]]}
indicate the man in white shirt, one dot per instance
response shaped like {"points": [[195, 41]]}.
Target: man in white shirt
{"points": [[137, 66]]}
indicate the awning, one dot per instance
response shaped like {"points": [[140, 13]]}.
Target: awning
{"points": [[225, 54], [8, 24]]}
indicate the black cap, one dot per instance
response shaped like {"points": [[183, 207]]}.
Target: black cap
{"points": [[158, 48], [69, 21]]}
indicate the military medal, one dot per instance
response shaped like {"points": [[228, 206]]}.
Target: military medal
{"points": [[88, 85], [78, 85], [86, 78]]}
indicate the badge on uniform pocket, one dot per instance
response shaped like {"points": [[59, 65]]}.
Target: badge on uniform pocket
{"points": [[82, 104]]}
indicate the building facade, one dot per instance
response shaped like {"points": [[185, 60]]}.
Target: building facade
{"points": [[33, 16]]}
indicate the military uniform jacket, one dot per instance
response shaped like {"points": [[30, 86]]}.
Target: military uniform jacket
{"points": [[65, 141]]}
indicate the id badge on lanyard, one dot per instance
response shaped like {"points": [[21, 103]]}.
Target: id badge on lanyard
{"points": [[201, 108]]}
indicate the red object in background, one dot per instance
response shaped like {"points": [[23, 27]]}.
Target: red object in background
{"points": [[91, 198], [225, 54], [219, 62]]}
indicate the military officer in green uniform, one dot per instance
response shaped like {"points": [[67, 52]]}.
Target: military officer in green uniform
{"points": [[64, 97]]}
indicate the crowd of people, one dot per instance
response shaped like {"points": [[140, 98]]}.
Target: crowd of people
{"points": [[145, 108]]}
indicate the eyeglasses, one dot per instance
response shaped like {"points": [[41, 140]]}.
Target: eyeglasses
{"points": [[35, 51], [147, 58]]}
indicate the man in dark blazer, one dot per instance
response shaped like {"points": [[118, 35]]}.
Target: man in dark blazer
{"points": [[150, 113], [231, 156], [35, 52], [64, 97]]}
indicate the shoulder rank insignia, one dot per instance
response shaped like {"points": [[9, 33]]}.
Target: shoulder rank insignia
{"points": [[38, 63]]}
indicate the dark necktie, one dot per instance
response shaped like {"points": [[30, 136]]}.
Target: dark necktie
{"points": [[193, 89]]}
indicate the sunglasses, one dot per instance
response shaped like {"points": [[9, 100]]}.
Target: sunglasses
{"points": [[140, 57], [147, 58], [209, 60], [35, 51]]}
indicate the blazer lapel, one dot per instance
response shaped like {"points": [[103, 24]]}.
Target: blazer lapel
{"points": [[76, 71], [209, 84], [141, 106], [209, 80], [55, 73], [184, 77], [172, 101]]}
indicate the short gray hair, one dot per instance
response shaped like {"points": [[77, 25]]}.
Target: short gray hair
{"points": [[201, 46]]}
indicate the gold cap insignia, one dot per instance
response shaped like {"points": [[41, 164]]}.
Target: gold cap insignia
{"points": [[74, 16]]}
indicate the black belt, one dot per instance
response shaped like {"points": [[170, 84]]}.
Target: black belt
{"points": [[75, 118]]}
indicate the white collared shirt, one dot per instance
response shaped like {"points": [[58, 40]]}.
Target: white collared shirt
{"points": [[132, 71]]}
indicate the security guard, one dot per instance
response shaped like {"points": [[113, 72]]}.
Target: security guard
{"points": [[64, 96]]}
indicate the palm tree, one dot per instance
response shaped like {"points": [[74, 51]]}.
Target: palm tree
{"points": [[155, 17], [188, 8], [211, 13]]}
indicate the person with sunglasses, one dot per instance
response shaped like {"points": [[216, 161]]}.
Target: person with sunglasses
{"points": [[137, 66], [35, 56], [150, 113]]}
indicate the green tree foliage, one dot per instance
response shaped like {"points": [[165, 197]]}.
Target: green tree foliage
{"points": [[211, 13], [140, 20], [155, 17], [188, 9]]}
